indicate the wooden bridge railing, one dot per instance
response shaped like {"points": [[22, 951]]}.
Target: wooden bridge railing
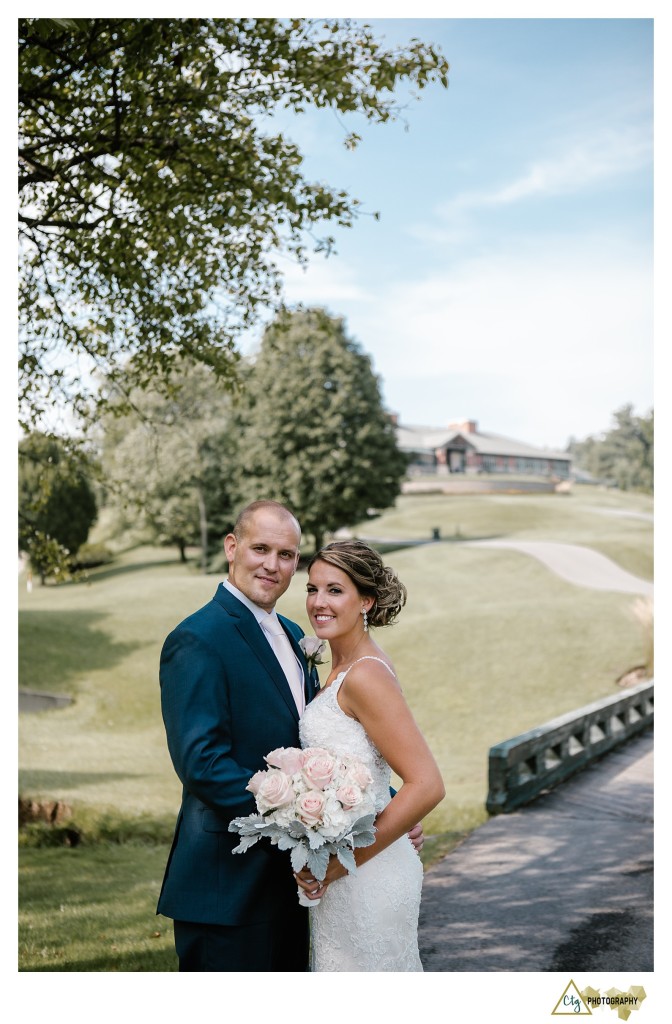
{"points": [[520, 768]]}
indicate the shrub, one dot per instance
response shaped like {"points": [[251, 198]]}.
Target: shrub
{"points": [[91, 555]]}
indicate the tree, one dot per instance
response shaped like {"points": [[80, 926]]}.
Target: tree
{"points": [[622, 455], [57, 504], [168, 460], [155, 196], [314, 433]]}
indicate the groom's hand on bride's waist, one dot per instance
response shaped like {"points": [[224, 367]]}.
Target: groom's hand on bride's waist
{"points": [[417, 837]]}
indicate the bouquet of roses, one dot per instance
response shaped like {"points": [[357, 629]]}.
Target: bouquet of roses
{"points": [[313, 803]]}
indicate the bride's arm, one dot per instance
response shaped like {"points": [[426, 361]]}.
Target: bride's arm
{"points": [[372, 696]]}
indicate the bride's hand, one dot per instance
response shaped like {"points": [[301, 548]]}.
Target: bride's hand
{"points": [[313, 888]]}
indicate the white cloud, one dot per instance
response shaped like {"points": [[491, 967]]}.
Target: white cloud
{"points": [[574, 302], [325, 281], [557, 332], [580, 164]]}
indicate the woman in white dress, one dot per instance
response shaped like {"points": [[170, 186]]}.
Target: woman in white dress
{"points": [[367, 920]]}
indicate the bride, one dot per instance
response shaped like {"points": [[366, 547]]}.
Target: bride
{"points": [[367, 920]]}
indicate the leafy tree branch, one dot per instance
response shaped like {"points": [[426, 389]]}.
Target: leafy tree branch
{"points": [[156, 195]]}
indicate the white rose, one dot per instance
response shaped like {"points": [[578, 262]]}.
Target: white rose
{"points": [[313, 648]]}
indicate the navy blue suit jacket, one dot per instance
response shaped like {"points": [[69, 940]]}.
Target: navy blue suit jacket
{"points": [[225, 703]]}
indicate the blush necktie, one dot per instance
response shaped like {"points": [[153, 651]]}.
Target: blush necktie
{"points": [[282, 649]]}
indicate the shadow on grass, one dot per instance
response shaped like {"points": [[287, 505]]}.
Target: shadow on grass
{"points": [[56, 646], [110, 571], [385, 546], [151, 960]]}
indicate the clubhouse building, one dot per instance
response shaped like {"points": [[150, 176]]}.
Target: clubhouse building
{"points": [[462, 448]]}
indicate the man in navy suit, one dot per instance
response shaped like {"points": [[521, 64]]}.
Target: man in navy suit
{"points": [[227, 702]]}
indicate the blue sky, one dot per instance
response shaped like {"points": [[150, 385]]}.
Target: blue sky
{"points": [[510, 276]]}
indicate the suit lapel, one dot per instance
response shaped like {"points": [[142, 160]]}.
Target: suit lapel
{"points": [[249, 628]]}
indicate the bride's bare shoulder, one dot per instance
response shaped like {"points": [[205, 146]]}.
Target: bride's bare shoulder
{"points": [[371, 668]]}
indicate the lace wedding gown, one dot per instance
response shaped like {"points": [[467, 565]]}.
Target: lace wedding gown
{"points": [[367, 921]]}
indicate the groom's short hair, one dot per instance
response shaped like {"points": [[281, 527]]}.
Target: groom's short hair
{"points": [[247, 514]]}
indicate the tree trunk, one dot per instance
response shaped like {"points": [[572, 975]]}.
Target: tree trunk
{"points": [[203, 521], [183, 550]]}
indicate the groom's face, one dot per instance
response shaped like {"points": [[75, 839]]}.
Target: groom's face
{"points": [[263, 559]]}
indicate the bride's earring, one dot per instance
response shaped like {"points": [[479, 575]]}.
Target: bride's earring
{"points": [[366, 620]]}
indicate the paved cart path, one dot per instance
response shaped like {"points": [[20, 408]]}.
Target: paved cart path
{"points": [[564, 884], [579, 565]]}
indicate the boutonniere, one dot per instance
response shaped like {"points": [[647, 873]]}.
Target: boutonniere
{"points": [[313, 649]]}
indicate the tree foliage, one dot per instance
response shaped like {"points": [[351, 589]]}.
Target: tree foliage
{"points": [[57, 504], [623, 455], [156, 193], [314, 433], [166, 461]]}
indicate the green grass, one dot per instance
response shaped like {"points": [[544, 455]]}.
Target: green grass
{"points": [[489, 645], [72, 922], [590, 516]]}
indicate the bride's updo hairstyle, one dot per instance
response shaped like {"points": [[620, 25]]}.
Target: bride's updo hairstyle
{"points": [[372, 578]]}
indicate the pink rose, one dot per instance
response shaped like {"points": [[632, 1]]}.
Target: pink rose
{"points": [[319, 768], [275, 790], [310, 807], [359, 774], [255, 782], [349, 796], [287, 759], [313, 752]]}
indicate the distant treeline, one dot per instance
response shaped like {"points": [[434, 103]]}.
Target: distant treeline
{"points": [[623, 456]]}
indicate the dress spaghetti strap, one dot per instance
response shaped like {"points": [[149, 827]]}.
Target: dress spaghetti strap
{"points": [[367, 657]]}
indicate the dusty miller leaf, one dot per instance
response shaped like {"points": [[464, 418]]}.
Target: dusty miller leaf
{"points": [[346, 858], [299, 856], [318, 862]]}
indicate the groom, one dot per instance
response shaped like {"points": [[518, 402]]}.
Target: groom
{"points": [[226, 702]]}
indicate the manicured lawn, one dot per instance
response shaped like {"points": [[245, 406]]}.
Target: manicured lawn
{"points": [[490, 644], [606, 520], [72, 922]]}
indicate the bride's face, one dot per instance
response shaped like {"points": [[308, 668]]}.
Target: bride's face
{"points": [[333, 603]]}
